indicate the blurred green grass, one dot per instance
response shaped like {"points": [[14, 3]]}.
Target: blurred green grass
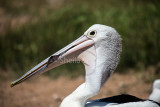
{"points": [[136, 21]]}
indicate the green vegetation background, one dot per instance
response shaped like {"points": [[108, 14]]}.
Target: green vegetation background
{"points": [[137, 21]]}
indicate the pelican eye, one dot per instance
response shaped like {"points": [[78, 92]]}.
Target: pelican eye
{"points": [[92, 33]]}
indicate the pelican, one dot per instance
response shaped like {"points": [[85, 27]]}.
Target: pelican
{"points": [[99, 50], [125, 100]]}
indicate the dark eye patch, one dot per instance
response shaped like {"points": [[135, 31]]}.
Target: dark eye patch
{"points": [[92, 33]]}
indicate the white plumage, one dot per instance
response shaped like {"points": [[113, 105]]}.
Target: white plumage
{"points": [[99, 50]]}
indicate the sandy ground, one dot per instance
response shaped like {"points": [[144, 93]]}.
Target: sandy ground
{"points": [[46, 92]]}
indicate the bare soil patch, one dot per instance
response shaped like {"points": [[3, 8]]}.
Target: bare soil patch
{"points": [[46, 92]]}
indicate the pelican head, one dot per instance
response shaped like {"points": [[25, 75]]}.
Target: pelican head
{"points": [[98, 49]]}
